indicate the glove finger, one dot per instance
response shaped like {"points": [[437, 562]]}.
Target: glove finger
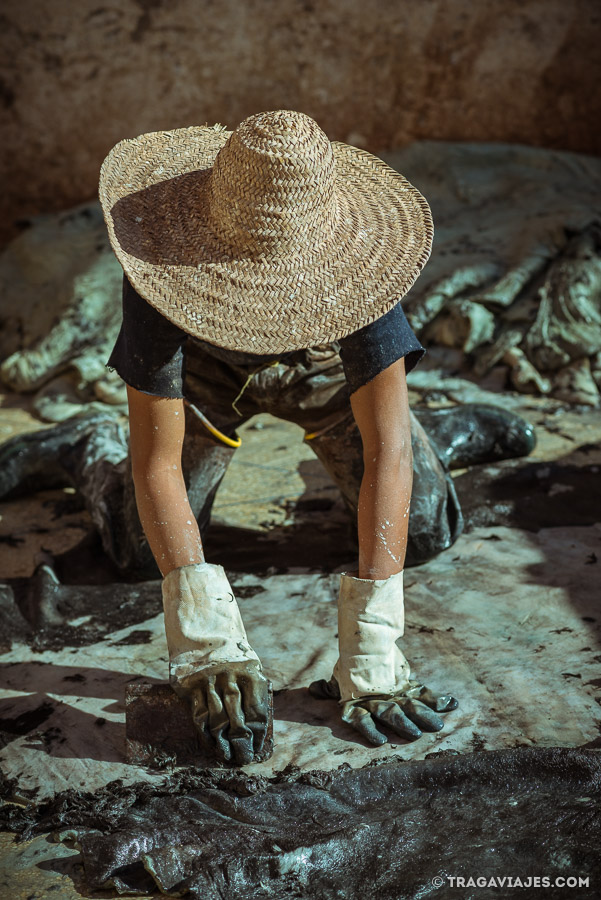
{"points": [[239, 735], [361, 721], [203, 708], [325, 690], [422, 715], [219, 722], [389, 713], [255, 703], [200, 717], [437, 702]]}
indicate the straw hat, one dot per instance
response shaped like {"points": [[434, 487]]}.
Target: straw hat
{"points": [[264, 239]]}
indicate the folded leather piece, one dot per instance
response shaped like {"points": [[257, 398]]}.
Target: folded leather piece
{"points": [[475, 433]]}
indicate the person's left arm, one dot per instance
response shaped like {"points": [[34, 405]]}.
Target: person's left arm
{"points": [[381, 410], [372, 679]]}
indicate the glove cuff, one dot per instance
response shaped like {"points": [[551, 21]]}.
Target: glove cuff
{"points": [[203, 625], [371, 618]]}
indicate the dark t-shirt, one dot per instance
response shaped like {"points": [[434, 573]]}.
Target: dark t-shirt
{"points": [[150, 352]]}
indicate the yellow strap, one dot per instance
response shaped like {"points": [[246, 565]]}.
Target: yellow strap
{"points": [[215, 431], [249, 379], [319, 432]]}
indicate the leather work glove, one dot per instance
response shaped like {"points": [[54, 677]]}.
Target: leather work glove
{"points": [[371, 678], [213, 667]]}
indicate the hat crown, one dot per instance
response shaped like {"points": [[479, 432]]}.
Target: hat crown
{"points": [[273, 184]]}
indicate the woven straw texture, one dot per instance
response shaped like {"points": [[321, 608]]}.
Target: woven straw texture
{"points": [[265, 239]]}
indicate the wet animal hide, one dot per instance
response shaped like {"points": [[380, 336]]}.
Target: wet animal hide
{"points": [[60, 286], [384, 831]]}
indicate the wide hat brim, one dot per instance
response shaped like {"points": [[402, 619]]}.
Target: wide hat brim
{"points": [[154, 191]]}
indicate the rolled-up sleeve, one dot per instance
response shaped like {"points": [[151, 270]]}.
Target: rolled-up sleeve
{"points": [[149, 351], [373, 348]]}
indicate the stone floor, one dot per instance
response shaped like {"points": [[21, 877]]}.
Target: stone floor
{"points": [[507, 619]]}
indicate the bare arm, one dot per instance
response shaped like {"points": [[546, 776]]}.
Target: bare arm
{"points": [[381, 410], [156, 438]]}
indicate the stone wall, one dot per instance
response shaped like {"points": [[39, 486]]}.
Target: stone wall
{"points": [[79, 75]]}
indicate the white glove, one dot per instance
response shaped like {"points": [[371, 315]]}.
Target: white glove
{"points": [[371, 678], [371, 618], [212, 665], [202, 620]]}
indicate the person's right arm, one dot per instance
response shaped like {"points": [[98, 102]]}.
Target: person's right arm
{"points": [[157, 427]]}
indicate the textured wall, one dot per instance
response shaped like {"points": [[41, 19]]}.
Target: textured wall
{"points": [[79, 75]]}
